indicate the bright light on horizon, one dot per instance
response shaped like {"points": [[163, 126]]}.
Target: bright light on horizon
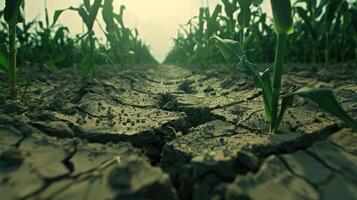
{"points": [[156, 20]]}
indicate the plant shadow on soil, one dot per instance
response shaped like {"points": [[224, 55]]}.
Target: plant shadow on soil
{"points": [[168, 132]]}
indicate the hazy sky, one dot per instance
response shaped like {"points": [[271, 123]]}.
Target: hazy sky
{"points": [[156, 20]]}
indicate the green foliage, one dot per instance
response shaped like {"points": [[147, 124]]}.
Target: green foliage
{"points": [[327, 101], [324, 41], [12, 12], [319, 21], [12, 16], [49, 45], [230, 49], [234, 52], [245, 13], [125, 47], [4, 59], [88, 13], [283, 20], [192, 44]]}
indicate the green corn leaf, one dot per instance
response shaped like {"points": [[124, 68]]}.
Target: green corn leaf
{"points": [[257, 3], [248, 40], [80, 10], [86, 4], [354, 19], [267, 92], [201, 21], [230, 49], [321, 7], [303, 14], [56, 16], [93, 12], [286, 102], [23, 5], [263, 80], [230, 7], [119, 17], [283, 19], [84, 15], [47, 18], [60, 33], [245, 13], [108, 15], [4, 58], [327, 101], [206, 13], [330, 13], [324, 98], [216, 12], [86, 12], [12, 12]]}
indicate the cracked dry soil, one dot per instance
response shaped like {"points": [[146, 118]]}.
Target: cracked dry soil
{"points": [[167, 132]]}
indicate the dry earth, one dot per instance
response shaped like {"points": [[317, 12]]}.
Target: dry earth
{"points": [[167, 132]]}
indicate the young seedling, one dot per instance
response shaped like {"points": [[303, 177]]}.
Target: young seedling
{"points": [[12, 16], [271, 86], [88, 12]]}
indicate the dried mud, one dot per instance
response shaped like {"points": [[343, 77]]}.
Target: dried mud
{"points": [[168, 132]]}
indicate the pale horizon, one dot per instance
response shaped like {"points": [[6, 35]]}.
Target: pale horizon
{"points": [[156, 20]]}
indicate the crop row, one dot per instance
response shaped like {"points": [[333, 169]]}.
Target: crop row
{"points": [[324, 32]]}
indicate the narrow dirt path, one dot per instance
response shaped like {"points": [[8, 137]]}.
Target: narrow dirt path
{"points": [[167, 132]]}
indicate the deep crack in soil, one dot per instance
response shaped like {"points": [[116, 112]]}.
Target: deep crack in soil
{"points": [[166, 132]]}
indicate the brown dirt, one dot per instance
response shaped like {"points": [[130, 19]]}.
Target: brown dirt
{"points": [[168, 132]]}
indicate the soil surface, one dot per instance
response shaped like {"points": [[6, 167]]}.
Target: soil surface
{"points": [[168, 132]]}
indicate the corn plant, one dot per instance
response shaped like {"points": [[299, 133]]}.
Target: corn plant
{"points": [[261, 29], [353, 14], [327, 24], [48, 45], [271, 85], [230, 7], [342, 25], [313, 11], [319, 23], [124, 46], [13, 16], [117, 37], [192, 44], [88, 13]]}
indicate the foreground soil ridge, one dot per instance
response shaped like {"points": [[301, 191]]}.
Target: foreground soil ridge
{"points": [[170, 132]]}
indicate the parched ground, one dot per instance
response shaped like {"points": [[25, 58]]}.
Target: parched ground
{"points": [[168, 132]]}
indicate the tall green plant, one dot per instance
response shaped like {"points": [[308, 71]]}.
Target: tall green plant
{"points": [[330, 15], [283, 25], [230, 7], [124, 46], [327, 24], [319, 18], [12, 15], [88, 13], [353, 14]]}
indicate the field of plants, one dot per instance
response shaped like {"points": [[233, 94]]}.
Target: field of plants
{"points": [[247, 104]]}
